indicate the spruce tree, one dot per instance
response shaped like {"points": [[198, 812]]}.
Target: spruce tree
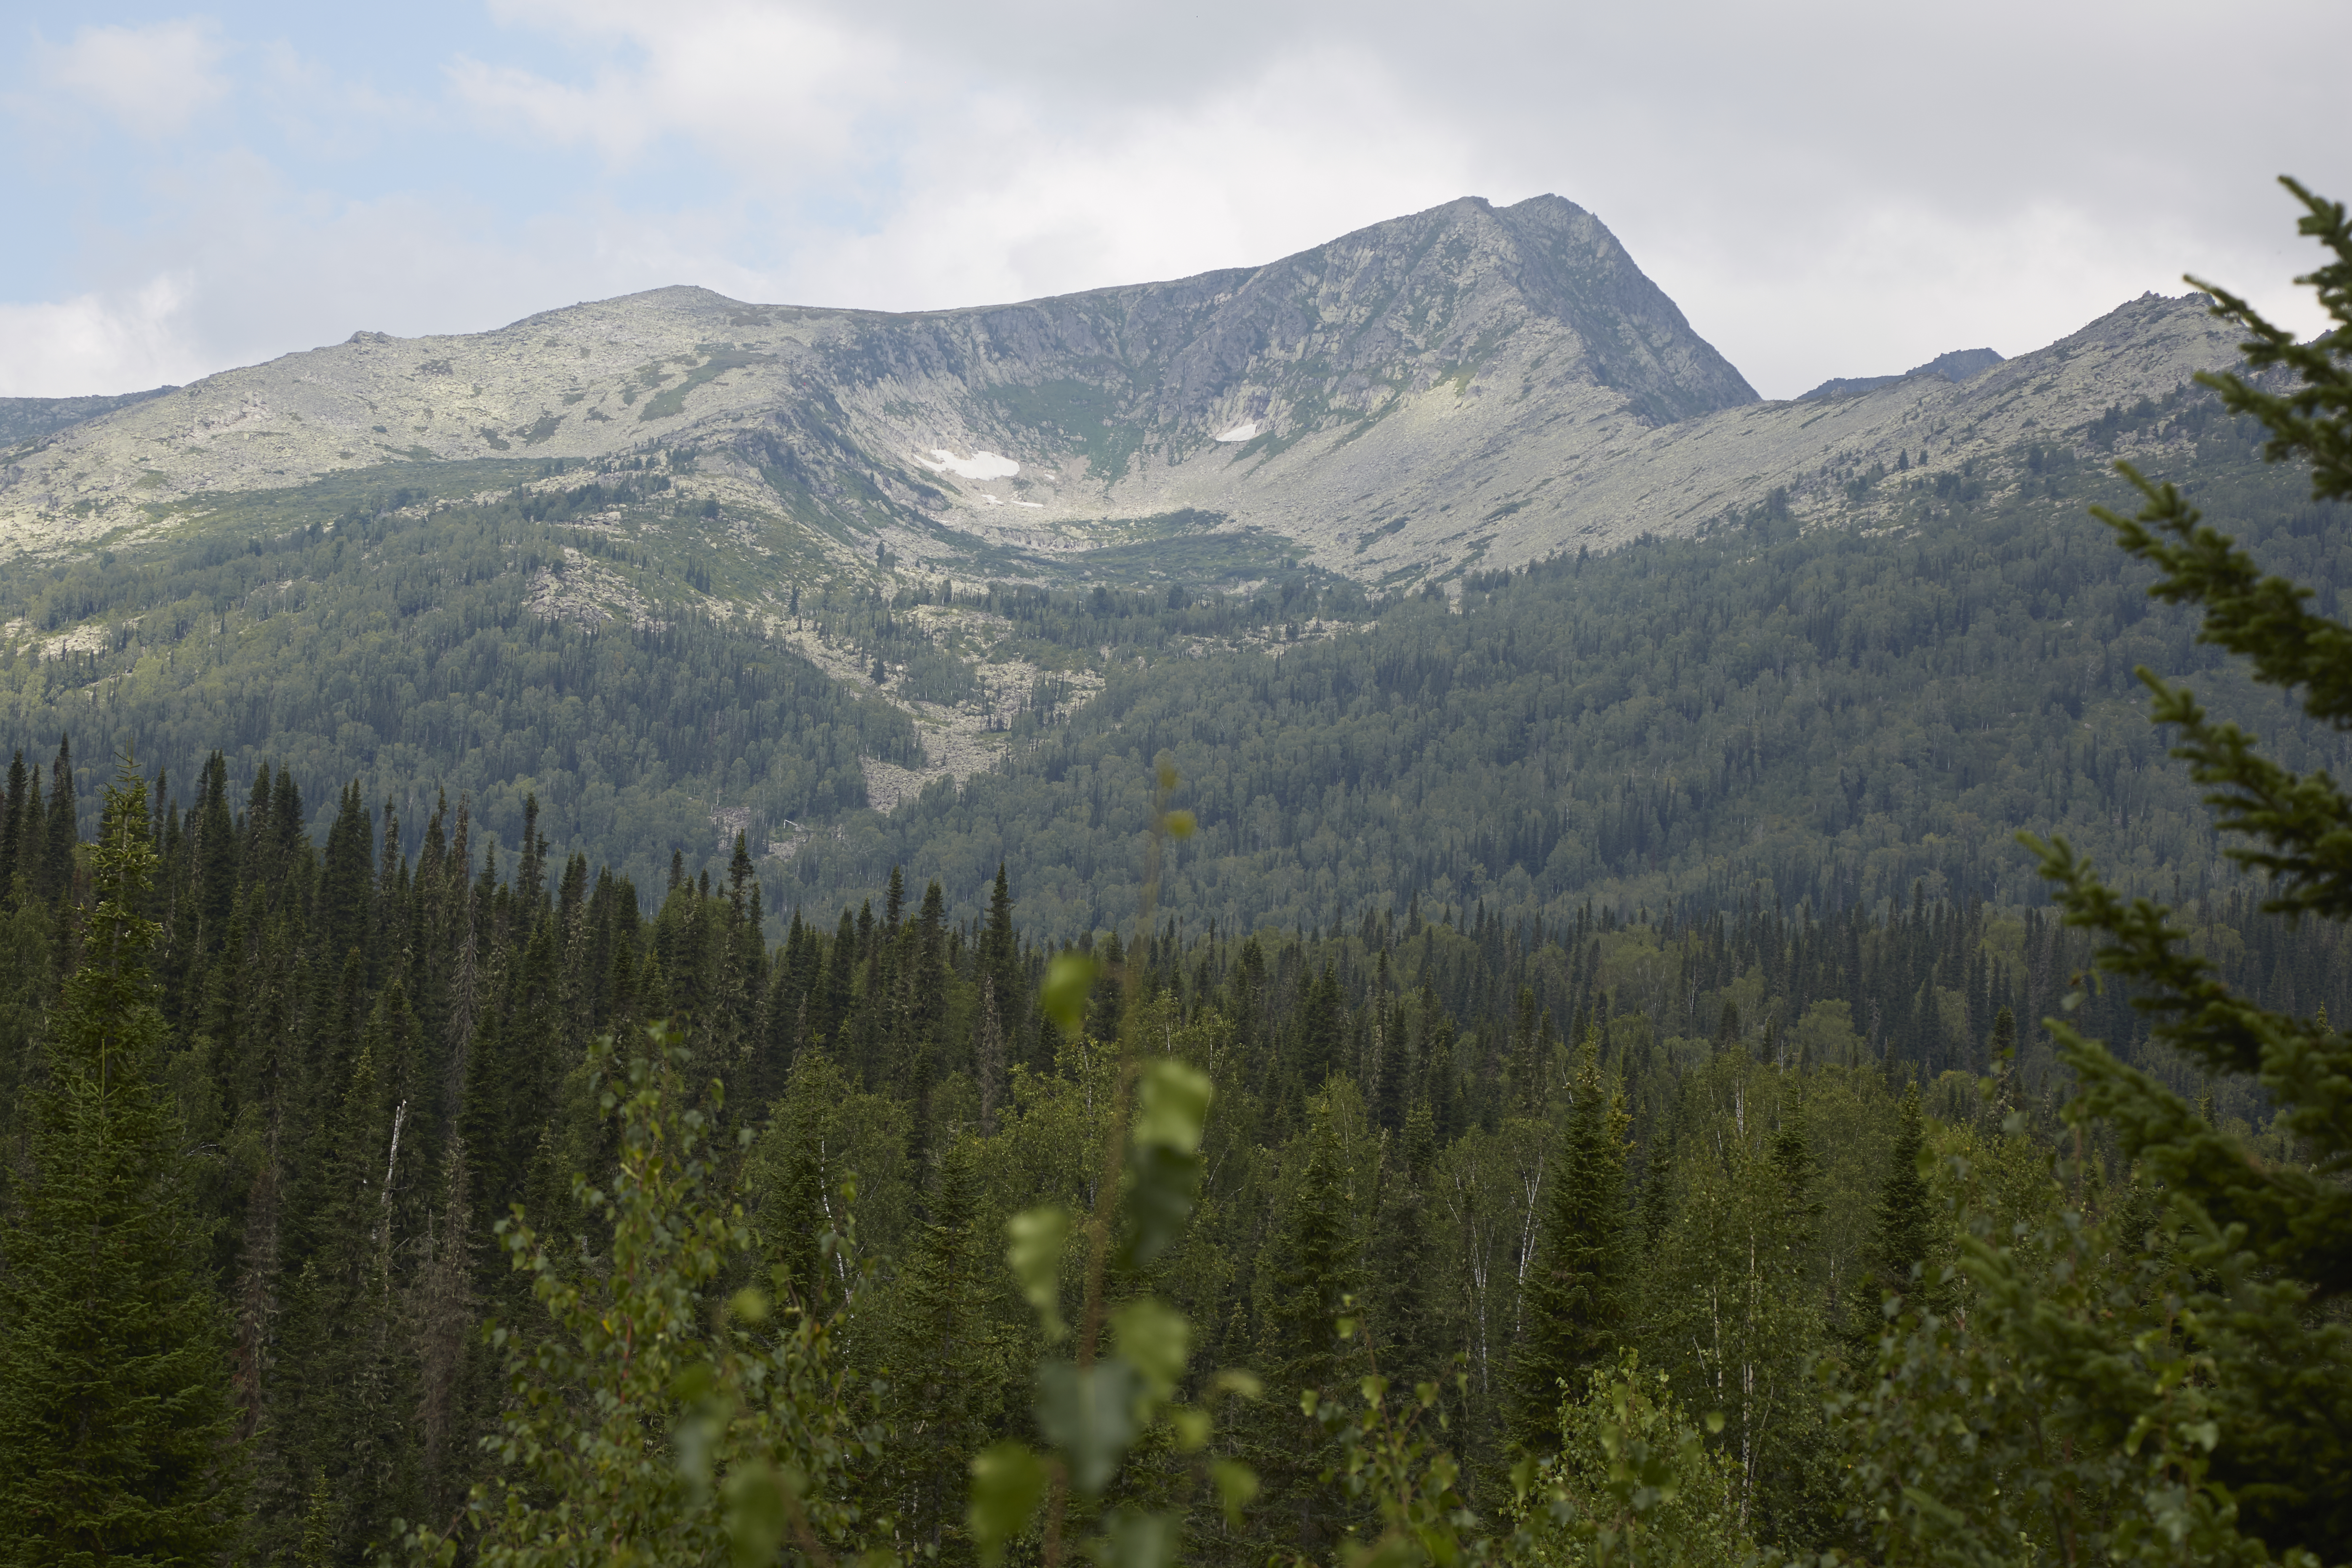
{"points": [[1905, 1253], [1404, 1303], [948, 1364], [1000, 956], [11, 811], [1309, 1341], [116, 1439], [58, 831], [2259, 1436], [1573, 1303]]}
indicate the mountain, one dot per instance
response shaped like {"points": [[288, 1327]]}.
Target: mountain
{"points": [[1380, 365], [24, 418], [683, 567], [1958, 366]]}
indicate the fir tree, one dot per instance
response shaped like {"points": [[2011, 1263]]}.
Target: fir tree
{"points": [[1574, 1303], [946, 1359], [1404, 1302], [115, 1425], [1905, 1253], [2264, 1246], [1309, 1339]]}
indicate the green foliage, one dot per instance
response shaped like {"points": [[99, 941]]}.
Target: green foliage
{"points": [[647, 1424], [1633, 1482], [1092, 1408], [118, 1443], [1344, 1154], [1574, 1299], [1832, 716], [1906, 1254], [2155, 1373], [409, 643]]}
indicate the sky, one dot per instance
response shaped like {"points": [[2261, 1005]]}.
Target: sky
{"points": [[1825, 189]]}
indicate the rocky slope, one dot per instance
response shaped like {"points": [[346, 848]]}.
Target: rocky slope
{"points": [[1959, 365], [1469, 384], [23, 419]]}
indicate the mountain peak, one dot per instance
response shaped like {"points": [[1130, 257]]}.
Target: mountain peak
{"points": [[1956, 366]]}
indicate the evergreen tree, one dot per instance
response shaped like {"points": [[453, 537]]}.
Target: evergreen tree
{"points": [[12, 834], [2261, 1436], [1405, 1300], [1906, 1254], [946, 1357], [999, 957], [115, 1427], [1321, 1025], [1573, 1305], [1309, 1340], [57, 865]]}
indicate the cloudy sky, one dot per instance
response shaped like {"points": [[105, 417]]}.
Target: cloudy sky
{"points": [[1827, 189]]}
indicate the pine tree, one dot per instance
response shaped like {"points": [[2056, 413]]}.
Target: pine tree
{"points": [[115, 1423], [1905, 1253], [1404, 1302], [999, 957], [59, 830], [1307, 1341], [1321, 1023], [947, 1360], [2258, 1441], [1573, 1306], [12, 832]]}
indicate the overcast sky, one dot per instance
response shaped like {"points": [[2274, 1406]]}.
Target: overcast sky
{"points": [[1826, 189]]}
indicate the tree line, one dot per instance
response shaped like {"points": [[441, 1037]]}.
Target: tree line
{"points": [[356, 1060]]}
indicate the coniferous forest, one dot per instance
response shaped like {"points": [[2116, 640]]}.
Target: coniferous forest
{"points": [[376, 1190]]}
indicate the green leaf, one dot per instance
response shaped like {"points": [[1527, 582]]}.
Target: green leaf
{"points": [[1244, 1385], [755, 1516], [1036, 1257], [1237, 1485], [1235, 1488], [1154, 1339], [1007, 1483], [1089, 1415], [1192, 1427], [1174, 1101], [1163, 1184], [1132, 1539], [1068, 980]]}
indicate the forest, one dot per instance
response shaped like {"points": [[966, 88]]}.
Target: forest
{"points": [[367, 1056]]}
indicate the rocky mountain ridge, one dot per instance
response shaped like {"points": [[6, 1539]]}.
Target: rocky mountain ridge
{"points": [[1465, 385], [1958, 366]]}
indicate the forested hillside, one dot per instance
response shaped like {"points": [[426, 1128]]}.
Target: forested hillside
{"points": [[1831, 714], [1827, 715], [371, 1054]]}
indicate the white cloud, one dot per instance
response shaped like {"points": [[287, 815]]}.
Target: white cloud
{"points": [[97, 343], [151, 80], [1835, 188], [997, 202], [752, 83]]}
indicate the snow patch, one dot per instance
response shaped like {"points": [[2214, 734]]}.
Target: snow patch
{"points": [[1038, 504], [979, 466], [1241, 432]]}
